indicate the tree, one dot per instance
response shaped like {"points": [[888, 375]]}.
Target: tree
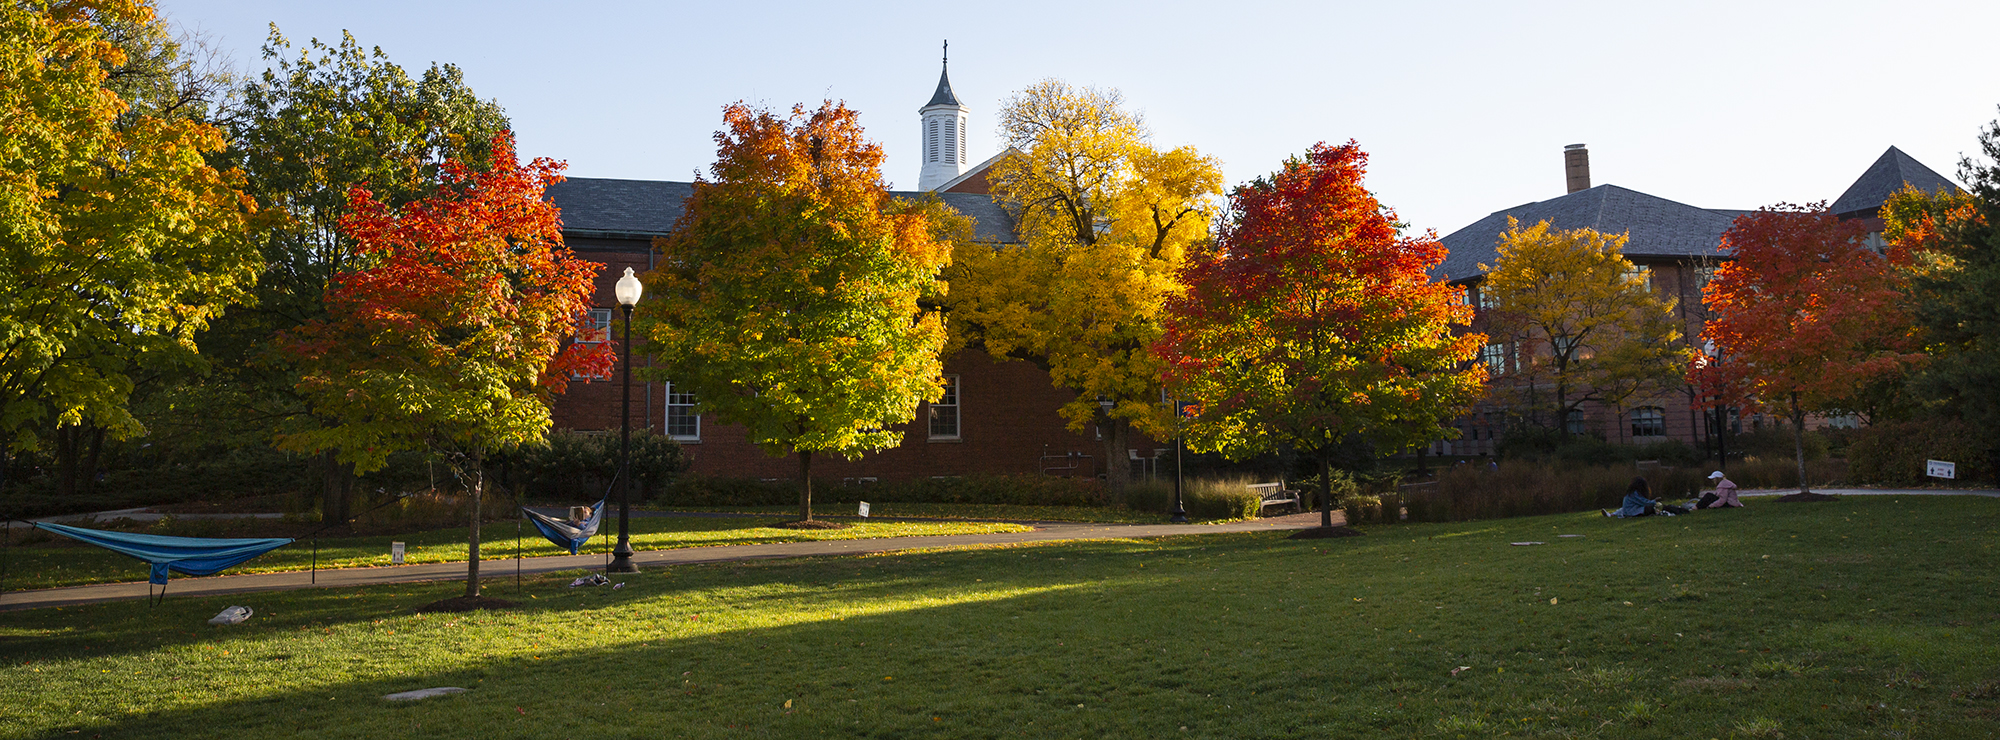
{"points": [[115, 233], [315, 124], [1312, 320], [1805, 315], [786, 297], [1582, 320], [1105, 221], [446, 330]]}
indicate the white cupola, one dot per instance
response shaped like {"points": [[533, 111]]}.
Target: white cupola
{"points": [[943, 133]]}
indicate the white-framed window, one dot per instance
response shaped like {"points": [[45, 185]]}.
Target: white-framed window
{"points": [[1642, 275], [596, 330], [1481, 297], [1649, 421], [1495, 357], [951, 141], [1573, 422], [683, 424], [944, 411]]}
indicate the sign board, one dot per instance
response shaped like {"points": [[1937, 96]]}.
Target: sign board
{"points": [[395, 553], [1190, 410], [1940, 469], [864, 508]]}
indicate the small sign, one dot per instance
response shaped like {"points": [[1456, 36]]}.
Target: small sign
{"points": [[1189, 409], [1940, 469], [864, 508], [395, 553]]}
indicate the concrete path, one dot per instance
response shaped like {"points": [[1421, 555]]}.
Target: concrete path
{"points": [[504, 568], [1876, 492]]}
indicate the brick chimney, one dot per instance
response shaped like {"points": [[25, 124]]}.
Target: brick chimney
{"points": [[1576, 164]]}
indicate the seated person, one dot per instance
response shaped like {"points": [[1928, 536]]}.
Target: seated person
{"points": [[1637, 504], [1724, 495]]}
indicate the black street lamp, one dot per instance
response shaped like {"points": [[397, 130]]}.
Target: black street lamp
{"points": [[1180, 448], [628, 291]]}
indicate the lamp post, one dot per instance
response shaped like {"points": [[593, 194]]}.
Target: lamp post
{"points": [[628, 291], [1180, 447]]}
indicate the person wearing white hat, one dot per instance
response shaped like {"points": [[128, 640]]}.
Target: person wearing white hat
{"points": [[1724, 495]]}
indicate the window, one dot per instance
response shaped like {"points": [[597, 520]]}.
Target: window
{"points": [[944, 411], [1482, 297], [1573, 421], [1495, 357], [596, 330], [1642, 274], [961, 141], [1703, 274], [1649, 421], [933, 140], [951, 140], [683, 424]]}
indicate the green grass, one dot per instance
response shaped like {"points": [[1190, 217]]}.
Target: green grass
{"points": [[1865, 617], [1008, 512], [75, 565]]}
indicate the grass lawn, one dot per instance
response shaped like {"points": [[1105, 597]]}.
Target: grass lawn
{"points": [[76, 564], [959, 511], [1871, 616]]}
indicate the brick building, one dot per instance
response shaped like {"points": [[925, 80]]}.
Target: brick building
{"points": [[996, 417], [1676, 246]]}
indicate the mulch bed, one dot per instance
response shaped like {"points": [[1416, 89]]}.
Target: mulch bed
{"points": [[464, 604], [813, 524], [1806, 497], [1321, 533]]}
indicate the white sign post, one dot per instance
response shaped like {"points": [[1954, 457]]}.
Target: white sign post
{"points": [[1940, 469], [864, 508], [395, 553]]}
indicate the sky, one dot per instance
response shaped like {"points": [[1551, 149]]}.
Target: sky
{"points": [[1464, 107]]}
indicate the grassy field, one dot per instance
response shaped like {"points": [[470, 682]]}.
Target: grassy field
{"points": [[71, 564], [960, 511], [1864, 617]]}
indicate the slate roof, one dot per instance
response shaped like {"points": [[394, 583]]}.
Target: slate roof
{"points": [[943, 95], [643, 209], [1884, 178], [1657, 227]]}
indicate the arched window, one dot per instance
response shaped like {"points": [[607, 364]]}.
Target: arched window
{"points": [[1649, 421]]}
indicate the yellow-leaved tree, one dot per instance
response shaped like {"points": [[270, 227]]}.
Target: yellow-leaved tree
{"points": [[1583, 323], [1104, 220]]}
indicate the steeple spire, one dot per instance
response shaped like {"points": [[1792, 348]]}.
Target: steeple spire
{"points": [[944, 125], [943, 95]]}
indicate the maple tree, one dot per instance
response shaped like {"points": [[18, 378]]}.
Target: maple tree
{"points": [[1581, 321], [1312, 320], [115, 231], [446, 330], [1105, 220], [786, 298], [1805, 315], [318, 121]]}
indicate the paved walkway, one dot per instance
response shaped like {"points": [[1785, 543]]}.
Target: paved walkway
{"points": [[501, 568], [1876, 492]]}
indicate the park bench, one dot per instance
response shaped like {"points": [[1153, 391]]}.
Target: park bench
{"points": [[1276, 494]]}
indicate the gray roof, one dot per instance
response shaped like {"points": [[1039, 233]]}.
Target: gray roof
{"points": [[943, 95], [643, 209], [1886, 176], [1657, 227]]}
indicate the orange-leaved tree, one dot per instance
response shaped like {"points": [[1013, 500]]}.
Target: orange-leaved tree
{"points": [[786, 298], [1805, 314], [447, 331], [1313, 319]]}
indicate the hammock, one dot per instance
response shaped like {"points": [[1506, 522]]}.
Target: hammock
{"points": [[562, 532], [194, 556]]}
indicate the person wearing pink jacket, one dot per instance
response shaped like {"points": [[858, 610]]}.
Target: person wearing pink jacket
{"points": [[1724, 495]]}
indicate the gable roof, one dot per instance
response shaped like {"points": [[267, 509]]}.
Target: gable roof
{"points": [[1657, 227], [643, 209], [1886, 176]]}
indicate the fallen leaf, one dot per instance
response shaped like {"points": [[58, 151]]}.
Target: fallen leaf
{"points": [[1552, 601], [788, 704]]}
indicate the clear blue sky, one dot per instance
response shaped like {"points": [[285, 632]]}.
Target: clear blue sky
{"points": [[1465, 106]]}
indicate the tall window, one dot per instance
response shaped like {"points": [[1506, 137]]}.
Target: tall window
{"points": [[1573, 421], [1649, 421], [944, 411], [961, 142], [933, 140], [683, 424], [1482, 297], [950, 140], [596, 330], [1495, 357], [1642, 274]]}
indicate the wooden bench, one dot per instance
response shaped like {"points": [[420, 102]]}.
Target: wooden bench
{"points": [[1275, 494]]}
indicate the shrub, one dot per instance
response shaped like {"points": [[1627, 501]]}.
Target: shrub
{"points": [[1894, 453], [1776, 441], [1518, 488], [576, 466], [1019, 490], [1783, 472], [1221, 498]]}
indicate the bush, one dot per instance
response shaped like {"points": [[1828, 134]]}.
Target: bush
{"points": [[578, 466], [1783, 472], [1018, 490], [1894, 453], [1518, 488], [1775, 441]]}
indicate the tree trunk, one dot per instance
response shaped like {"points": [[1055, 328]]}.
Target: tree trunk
{"points": [[1117, 470], [1325, 489], [66, 462], [472, 536], [805, 485], [1799, 441], [90, 460]]}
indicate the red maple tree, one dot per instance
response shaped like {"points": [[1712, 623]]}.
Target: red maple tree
{"points": [[1804, 315], [1312, 320], [449, 332]]}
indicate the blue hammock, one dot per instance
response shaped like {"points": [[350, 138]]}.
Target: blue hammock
{"points": [[564, 533], [194, 556]]}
